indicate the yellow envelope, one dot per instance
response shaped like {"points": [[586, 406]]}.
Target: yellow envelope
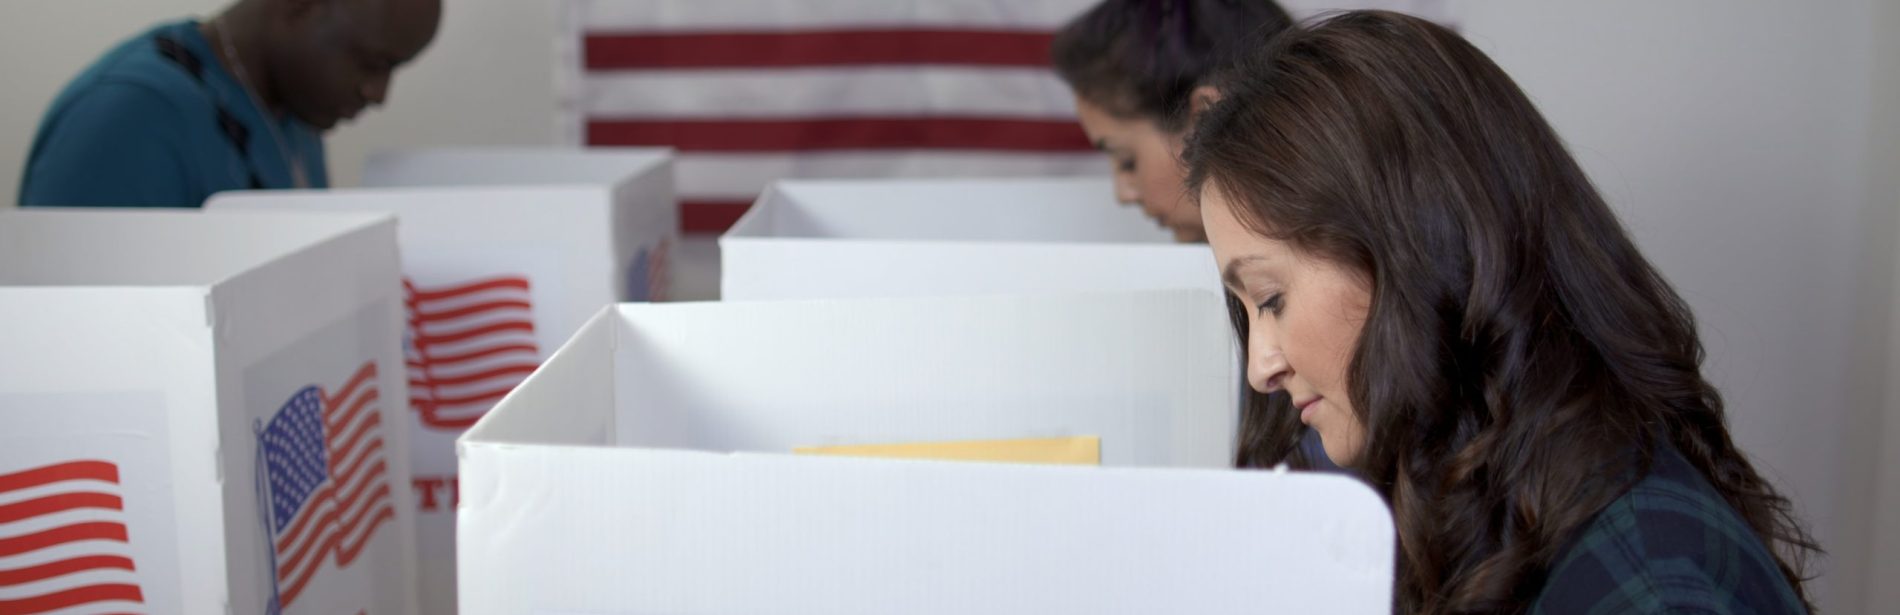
{"points": [[1077, 450]]}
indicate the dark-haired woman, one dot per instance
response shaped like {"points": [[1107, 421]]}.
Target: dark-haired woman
{"points": [[1429, 277], [1135, 66]]}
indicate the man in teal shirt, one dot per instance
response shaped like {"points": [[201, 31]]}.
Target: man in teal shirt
{"points": [[188, 109]]}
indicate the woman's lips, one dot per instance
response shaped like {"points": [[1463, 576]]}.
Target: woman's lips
{"points": [[1306, 409]]}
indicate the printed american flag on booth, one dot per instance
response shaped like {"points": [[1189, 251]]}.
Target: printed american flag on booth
{"points": [[647, 277], [469, 344], [750, 91], [324, 482], [64, 546]]}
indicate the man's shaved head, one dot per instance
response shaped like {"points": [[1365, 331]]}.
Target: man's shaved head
{"points": [[325, 61]]}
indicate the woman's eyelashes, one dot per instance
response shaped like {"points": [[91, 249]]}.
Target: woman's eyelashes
{"points": [[1273, 304], [1126, 165]]}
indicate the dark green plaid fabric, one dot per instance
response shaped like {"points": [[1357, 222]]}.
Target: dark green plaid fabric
{"points": [[1670, 545]]}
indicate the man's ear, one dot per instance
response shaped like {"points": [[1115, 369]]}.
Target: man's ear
{"points": [[1199, 100]]}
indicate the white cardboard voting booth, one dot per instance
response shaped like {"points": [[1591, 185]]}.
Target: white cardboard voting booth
{"points": [[644, 469], [869, 238], [641, 178], [201, 413], [500, 269]]}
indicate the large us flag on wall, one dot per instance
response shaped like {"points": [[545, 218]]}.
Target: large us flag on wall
{"points": [[754, 90]]}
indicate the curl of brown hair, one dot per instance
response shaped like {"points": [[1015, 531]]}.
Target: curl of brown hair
{"points": [[1521, 360]]}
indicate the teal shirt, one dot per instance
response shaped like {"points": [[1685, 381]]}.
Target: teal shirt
{"points": [[1669, 545], [137, 129]]}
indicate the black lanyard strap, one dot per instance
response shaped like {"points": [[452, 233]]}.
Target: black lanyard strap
{"points": [[235, 132]]}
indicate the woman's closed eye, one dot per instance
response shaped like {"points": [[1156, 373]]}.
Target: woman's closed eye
{"points": [[1273, 304]]}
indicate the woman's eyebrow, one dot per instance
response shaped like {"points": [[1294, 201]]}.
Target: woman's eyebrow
{"points": [[1230, 274]]}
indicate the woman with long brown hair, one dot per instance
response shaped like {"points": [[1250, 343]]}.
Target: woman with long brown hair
{"points": [[1136, 67], [1428, 276]]}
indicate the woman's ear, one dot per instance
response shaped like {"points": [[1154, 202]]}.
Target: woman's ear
{"points": [[1199, 100]]}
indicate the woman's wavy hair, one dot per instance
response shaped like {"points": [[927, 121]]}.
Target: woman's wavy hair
{"points": [[1521, 363], [1143, 58]]}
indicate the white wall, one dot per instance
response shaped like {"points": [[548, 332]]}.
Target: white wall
{"points": [[1732, 136], [487, 79], [1884, 198]]}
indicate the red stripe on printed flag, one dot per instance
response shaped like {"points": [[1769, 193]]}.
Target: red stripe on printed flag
{"points": [[97, 530], [63, 567], [59, 502], [115, 592], [487, 396], [520, 371], [77, 470], [852, 133], [699, 50], [472, 310], [483, 331], [484, 352], [81, 562], [452, 292]]}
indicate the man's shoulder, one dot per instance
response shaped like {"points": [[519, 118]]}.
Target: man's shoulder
{"points": [[137, 77]]}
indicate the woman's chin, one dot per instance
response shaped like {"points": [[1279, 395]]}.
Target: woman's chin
{"points": [[1342, 454], [1184, 234]]}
